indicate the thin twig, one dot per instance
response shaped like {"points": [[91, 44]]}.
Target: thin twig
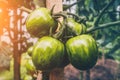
{"points": [[65, 7], [102, 26], [63, 14], [112, 51], [76, 16], [59, 33], [102, 12], [25, 9], [87, 75], [52, 9]]}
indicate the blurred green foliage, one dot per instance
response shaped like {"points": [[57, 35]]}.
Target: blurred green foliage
{"points": [[108, 38]]}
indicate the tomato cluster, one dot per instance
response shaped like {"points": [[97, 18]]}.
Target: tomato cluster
{"points": [[54, 49]]}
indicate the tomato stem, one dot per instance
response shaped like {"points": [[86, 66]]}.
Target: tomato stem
{"points": [[102, 12], [74, 15], [61, 31], [63, 14], [52, 9], [65, 7], [102, 26]]}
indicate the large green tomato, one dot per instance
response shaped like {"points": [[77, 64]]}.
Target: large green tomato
{"points": [[48, 53], [82, 51], [39, 22], [75, 28]]}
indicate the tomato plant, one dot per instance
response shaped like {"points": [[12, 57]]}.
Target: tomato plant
{"points": [[49, 52], [99, 14]]}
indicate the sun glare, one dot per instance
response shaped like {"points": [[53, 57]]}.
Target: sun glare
{"points": [[0, 10]]}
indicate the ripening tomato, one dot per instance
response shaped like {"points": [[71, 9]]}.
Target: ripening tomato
{"points": [[39, 22], [48, 53], [75, 28], [82, 51], [29, 51]]}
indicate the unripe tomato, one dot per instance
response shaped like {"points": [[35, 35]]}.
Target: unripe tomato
{"points": [[39, 22], [27, 65], [29, 51], [74, 27], [82, 51], [28, 77], [30, 66], [48, 53]]}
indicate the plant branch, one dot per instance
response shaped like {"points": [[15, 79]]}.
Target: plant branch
{"points": [[52, 9], [65, 7], [102, 12], [25, 9], [76, 16], [63, 14], [102, 26], [59, 33], [87, 75], [112, 51]]}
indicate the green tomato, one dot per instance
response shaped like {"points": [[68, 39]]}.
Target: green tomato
{"points": [[28, 77], [48, 53], [27, 66], [39, 22], [75, 28], [82, 51], [30, 66], [29, 51]]}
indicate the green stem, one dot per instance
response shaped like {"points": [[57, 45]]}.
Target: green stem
{"points": [[76, 16], [52, 9], [102, 26], [87, 75], [81, 75], [112, 51], [60, 32], [65, 7], [63, 14], [102, 12]]}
